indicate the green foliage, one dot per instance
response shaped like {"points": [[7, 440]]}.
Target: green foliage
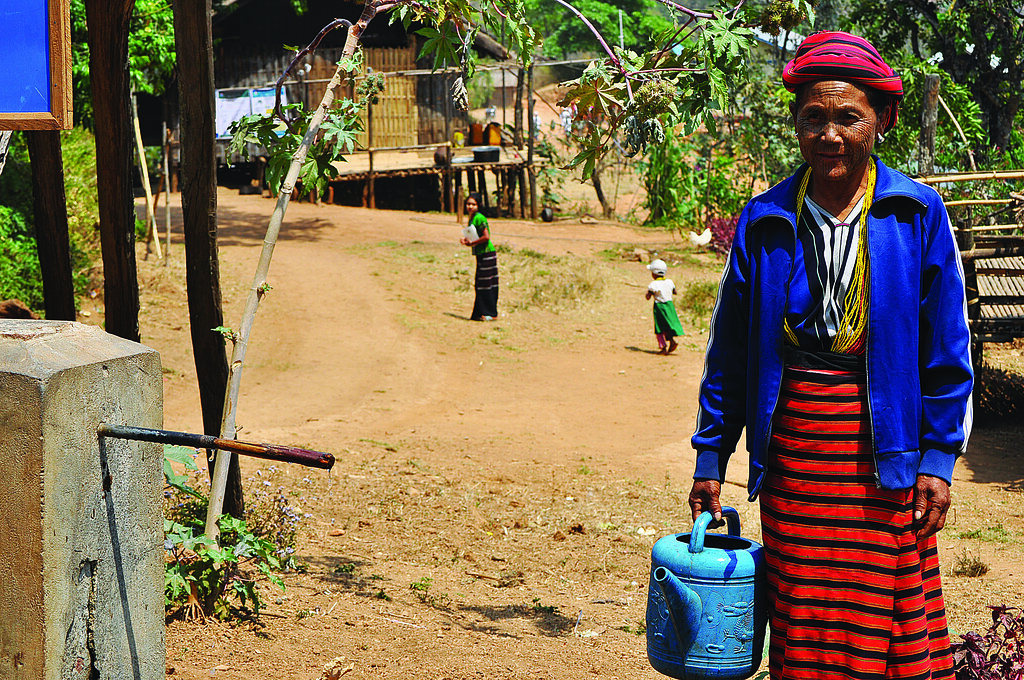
{"points": [[684, 191], [696, 300], [968, 565], [639, 96], [20, 275], [550, 175], [151, 53], [451, 25], [282, 139], [423, 587], [976, 44], [204, 578], [996, 534], [565, 35], [200, 573]]}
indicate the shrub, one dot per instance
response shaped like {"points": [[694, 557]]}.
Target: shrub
{"points": [[201, 575], [998, 654], [205, 578], [20, 276], [722, 231]]}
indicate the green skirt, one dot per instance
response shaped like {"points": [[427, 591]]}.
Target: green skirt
{"points": [[666, 321]]}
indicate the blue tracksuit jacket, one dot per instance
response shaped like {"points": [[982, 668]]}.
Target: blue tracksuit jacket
{"points": [[919, 374]]}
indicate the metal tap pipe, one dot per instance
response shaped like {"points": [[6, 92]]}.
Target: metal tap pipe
{"points": [[284, 454]]}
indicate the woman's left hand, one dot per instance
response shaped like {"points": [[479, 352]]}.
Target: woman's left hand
{"points": [[931, 501]]}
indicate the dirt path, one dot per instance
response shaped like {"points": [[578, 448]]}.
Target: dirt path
{"points": [[515, 472]]}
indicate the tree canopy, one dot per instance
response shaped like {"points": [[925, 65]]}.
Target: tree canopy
{"points": [[150, 48], [977, 44]]}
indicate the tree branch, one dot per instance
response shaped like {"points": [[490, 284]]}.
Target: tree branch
{"points": [[258, 288]]}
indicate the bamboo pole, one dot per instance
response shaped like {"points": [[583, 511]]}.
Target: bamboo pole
{"points": [[152, 233], [996, 227], [972, 176], [258, 288], [980, 201], [167, 188], [970, 154]]}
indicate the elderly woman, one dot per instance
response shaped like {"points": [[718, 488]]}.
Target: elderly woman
{"points": [[840, 341]]}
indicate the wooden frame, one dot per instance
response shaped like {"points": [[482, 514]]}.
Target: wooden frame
{"points": [[35, 87]]}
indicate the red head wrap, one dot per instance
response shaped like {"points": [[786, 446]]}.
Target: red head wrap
{"points": [[836, 55]]}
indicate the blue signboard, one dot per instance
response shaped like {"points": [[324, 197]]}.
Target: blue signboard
{"points": [[35, 64]]}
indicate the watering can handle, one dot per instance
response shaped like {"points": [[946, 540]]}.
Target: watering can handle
{"points": [[701, 525]]}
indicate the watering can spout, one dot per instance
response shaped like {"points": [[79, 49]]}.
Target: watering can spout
{"points": [[684, 605]]}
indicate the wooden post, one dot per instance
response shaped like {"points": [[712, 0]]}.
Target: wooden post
{"points": [[108, 22], [193, 35], [929, 118], [522, 191], [371, 199], [167, 189], [482, 188], [446, 174], [965, 243], [152, 235], [529, 148], [499, 191], [471, 179], [458, 195], [49, 204]]}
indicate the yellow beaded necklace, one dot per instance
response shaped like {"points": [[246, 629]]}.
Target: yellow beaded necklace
{"points": [[855, 309]]}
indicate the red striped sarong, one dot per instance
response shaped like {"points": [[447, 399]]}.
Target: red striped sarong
{"points": [[852, 594]]}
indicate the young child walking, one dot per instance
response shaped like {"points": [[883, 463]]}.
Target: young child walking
{"points": [[666, 321]]}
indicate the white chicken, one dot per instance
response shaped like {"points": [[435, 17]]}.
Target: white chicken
{"points": [[701, 239]]}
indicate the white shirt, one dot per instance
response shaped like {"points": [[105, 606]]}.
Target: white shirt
{"points": [[662, 289]]}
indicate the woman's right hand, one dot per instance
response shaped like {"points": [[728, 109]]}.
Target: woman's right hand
{"points": [[705, 497]]}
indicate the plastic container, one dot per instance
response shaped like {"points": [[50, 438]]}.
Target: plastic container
{"points": [[486, 154]]}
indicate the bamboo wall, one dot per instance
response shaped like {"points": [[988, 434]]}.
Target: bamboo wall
{"points": [[395, 120], [396, 114]]}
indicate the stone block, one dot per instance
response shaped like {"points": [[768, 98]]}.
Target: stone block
{"points": [[81, 527]]}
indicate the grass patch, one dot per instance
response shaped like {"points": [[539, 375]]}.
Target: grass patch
{"points": [[550, 282], [696, 300], [992, 534], [967, 564]]}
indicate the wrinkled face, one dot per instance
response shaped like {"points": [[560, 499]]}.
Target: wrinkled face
{"points": [[836, 127]]}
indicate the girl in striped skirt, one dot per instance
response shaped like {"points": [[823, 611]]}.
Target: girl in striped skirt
{"points": [[485, 307], [840, 341]]}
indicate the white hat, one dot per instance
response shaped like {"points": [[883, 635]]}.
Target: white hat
{"points": [[658, 266]]}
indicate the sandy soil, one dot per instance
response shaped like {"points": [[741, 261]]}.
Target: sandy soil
{"points": [[517, 472]]}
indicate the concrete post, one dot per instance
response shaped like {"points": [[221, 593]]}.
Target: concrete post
{"points": [[81, 535]]}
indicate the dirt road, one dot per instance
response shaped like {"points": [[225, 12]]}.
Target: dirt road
{"points": [[499, 485]]}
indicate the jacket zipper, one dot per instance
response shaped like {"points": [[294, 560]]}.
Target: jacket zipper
{"points": [[867, 362], [782, 354]]}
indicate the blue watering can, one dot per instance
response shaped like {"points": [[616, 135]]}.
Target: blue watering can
{"points": [[706, 609]]}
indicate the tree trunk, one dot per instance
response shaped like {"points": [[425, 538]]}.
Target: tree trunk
{"points": [[929, 119], [193, 37], [108, 67], [49, 203], [607, 210], [518, 136]]}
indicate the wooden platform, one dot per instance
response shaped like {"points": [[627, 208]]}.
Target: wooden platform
{"points": [[418, 162], [1000, 297]]}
